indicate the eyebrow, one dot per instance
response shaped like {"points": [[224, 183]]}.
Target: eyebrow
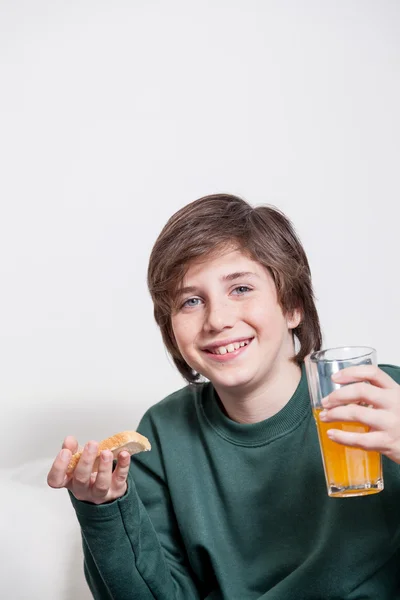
{"points": [[191, 289]]}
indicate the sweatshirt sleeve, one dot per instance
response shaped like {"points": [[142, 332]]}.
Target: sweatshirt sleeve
{"points": [[123, 556], [132, 546], [392, 370]]}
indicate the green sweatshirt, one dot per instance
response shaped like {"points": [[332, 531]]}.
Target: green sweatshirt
{"points": [[225, 511]]}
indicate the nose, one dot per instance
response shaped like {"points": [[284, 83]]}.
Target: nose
{"points": [[219, 316]]}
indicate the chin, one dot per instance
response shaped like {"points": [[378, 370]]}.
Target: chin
{"points": [[234, 380]]}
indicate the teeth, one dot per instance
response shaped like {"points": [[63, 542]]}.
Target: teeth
{"points": [[230, 347]]}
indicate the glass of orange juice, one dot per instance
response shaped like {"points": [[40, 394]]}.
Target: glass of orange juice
{"points": [[348, 471]]}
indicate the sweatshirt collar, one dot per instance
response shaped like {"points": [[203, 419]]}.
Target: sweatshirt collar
{"points": [[263, 432]]}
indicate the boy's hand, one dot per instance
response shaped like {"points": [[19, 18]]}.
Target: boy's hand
{"points": [[98, 488], [382, 415]]}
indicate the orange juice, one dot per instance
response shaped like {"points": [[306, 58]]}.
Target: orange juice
{"points": [[348, 471]]}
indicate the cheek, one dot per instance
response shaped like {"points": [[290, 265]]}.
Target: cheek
{"points": [[267, 321], [183, 332]]}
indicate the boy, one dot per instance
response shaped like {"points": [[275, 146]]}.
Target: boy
{"points": [[231, 502]]}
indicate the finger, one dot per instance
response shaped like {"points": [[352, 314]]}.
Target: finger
{"points": [[84, 468], [57, 477], [371, 441], [121, 471], [370, 373], [102, 482], [358, 392], [350, 413], [71, 444]]}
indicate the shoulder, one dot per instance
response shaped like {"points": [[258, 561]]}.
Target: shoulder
{"points": [[174, 428], [182, 400], [176, 411], [392, 370]]}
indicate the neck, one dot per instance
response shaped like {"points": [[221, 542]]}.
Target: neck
{"points": [[257, 403]]}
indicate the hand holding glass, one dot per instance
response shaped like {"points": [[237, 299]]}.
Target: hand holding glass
{"points": [[348, 471]]}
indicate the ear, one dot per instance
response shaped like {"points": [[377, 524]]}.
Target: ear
{"points": [[293, 319]]}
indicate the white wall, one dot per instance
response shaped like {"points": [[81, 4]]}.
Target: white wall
{"points": [[116, 114]]}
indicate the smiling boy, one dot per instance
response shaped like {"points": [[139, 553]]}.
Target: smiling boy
{"points": [[231, 503]]}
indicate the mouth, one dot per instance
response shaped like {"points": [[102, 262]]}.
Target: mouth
{"points": [[229, 347]]}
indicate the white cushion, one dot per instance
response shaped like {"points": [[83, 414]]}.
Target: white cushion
{"points": [[41, 554]]}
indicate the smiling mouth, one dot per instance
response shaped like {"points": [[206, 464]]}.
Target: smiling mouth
{"points": [[229, 348]]}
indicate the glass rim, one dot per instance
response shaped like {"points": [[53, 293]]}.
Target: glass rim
{"points": [[359, 352]]}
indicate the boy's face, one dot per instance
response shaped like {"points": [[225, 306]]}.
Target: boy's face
{"points": [[229, 325]]}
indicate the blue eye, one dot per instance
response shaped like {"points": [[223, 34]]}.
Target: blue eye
{"points": [[242, 289], [191, 302]]}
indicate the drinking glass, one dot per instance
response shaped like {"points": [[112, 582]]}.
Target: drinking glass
{"points": [[348, 471]]}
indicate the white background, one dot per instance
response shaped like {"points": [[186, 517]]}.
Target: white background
{"points": [[116, 114]]}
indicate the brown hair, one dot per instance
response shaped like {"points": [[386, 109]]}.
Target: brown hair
{"points": [[263, 232]]}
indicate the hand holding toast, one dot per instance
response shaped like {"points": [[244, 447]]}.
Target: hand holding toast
{"points": [[89, 474]]}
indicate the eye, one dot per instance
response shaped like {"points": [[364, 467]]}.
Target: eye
{"points": [[191, 302], [241, 289]]}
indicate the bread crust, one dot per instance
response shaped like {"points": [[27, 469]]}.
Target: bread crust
{"points": [[131, 441]]}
